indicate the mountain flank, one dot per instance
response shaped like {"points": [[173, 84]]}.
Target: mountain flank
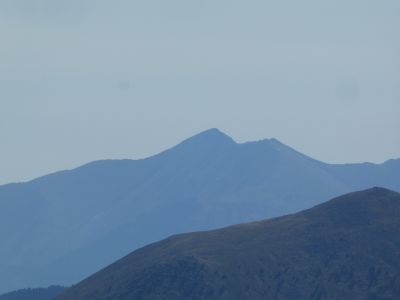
{"points": [[347, 248]]}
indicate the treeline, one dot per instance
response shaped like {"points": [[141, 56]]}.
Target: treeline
{"points": [[34, 294]]}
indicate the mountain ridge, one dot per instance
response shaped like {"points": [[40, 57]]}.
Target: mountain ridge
{"points": [[209, 135], [212, 135]]}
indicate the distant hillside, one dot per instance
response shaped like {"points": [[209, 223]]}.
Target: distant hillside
{"points": [[62, 227], [347, 248], [34, 294]]}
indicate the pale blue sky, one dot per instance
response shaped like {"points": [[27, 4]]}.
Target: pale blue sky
{"points": [[82, 80]]}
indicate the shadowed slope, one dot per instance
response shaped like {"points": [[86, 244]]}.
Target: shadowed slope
{"points": [[347, 248]]}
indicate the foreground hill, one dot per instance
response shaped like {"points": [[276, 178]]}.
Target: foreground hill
{"points": [[347, 248], [62, 227], [34, 294]]}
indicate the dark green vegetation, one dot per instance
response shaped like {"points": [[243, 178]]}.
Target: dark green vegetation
{"points": [[34, 294], [347, 248], [61, 228]]}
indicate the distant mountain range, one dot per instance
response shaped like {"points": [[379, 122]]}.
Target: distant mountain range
{"points": [[62, 227], [347, 248]]}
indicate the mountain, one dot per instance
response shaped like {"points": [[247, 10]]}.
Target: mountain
{"points": [[34, 294], [62, 227], [347, 248]]}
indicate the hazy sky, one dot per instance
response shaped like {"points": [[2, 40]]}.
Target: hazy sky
{"points": [[82, 80]]}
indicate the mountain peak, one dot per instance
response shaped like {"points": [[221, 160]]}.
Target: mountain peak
{"points": [[213, 133], [377, 190], [359, 207], [374, 193], [210, 136]]}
